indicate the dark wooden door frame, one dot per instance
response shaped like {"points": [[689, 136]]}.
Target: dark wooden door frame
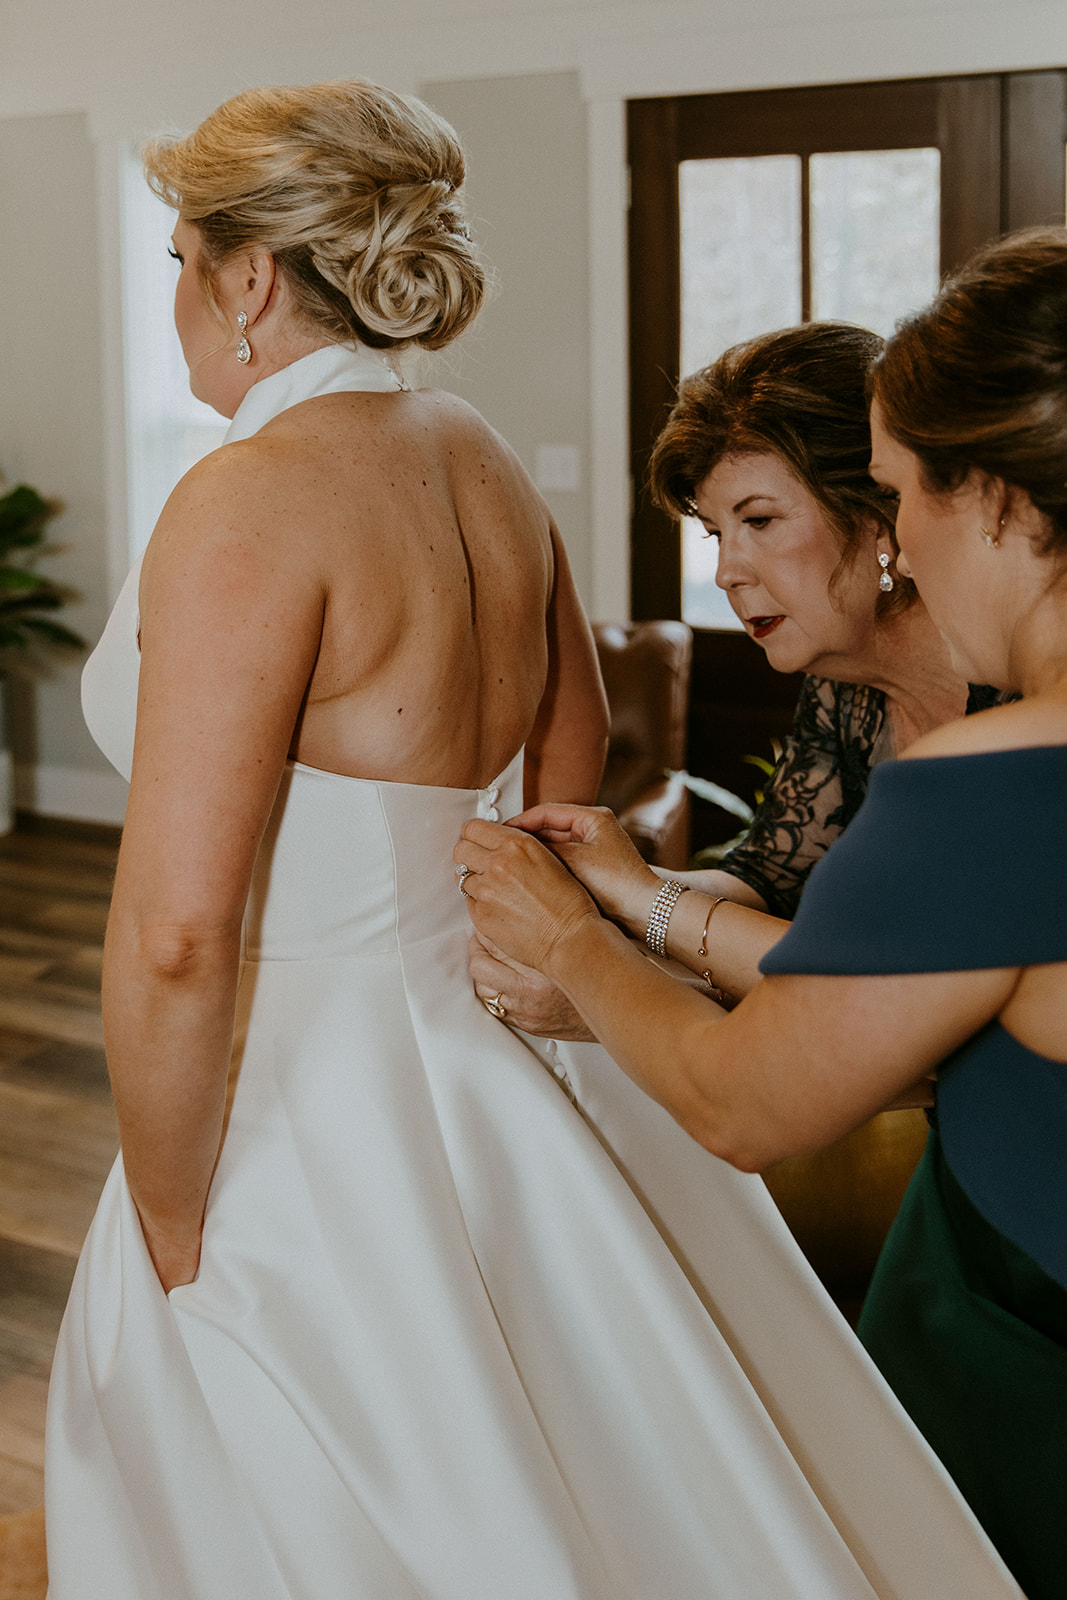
{"points": [[999, 171]]}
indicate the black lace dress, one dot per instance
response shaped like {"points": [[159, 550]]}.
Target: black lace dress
{"points": [[840, 732]]}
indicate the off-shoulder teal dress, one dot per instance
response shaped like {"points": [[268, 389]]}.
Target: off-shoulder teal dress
{"points": [[967, 1312]]}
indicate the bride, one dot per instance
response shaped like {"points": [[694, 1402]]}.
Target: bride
{"points": [[378, 1302]]}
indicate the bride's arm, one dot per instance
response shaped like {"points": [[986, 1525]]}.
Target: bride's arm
{"points": [[231, 616], [567, 746]]}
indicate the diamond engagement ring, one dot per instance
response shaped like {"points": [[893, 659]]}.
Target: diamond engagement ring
{"points": [[463, 873], [495, 1004]]}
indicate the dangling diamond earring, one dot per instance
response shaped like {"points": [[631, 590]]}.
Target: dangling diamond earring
{"points": [[244, 349], [885, 582], [991, 539]]}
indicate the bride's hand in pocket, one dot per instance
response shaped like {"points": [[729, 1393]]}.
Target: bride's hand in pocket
{"points": [[520, 897], [175, 1257]]}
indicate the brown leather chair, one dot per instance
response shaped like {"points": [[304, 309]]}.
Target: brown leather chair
{"points": [[646, 667]]}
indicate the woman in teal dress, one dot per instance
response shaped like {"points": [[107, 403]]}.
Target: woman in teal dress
{"points": [[931, 940]]}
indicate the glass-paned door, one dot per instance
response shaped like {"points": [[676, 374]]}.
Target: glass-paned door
{"points": [[729, 294], [846, 236], [752, 211]]}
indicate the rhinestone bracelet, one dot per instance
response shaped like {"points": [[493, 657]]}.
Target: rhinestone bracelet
{"points": [[660, 914]]}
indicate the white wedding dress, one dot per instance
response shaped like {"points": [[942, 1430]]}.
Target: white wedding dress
{"points": [[474, 1319]]}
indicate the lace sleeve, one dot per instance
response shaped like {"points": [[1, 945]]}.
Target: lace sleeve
{"points": [[815, 792]]}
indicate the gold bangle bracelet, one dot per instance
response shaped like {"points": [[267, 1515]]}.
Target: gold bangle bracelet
{"points": [[702, 953]]}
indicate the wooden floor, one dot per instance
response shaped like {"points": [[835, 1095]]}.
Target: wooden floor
{"points": [[57, 1125]]}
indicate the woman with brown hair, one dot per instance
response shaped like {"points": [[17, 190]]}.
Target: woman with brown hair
{"points": [[769, 447], [911, 953]]}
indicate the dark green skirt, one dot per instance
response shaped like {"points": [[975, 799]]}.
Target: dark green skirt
{"points": [[972, 1335]]}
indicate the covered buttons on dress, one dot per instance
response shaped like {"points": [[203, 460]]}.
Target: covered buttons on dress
{"points": [[487, 803]]}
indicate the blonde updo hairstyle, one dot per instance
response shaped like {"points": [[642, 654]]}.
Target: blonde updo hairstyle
{"points": [[354, 191]]}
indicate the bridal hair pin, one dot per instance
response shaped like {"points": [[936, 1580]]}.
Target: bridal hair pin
{"points": [[244, 349]]}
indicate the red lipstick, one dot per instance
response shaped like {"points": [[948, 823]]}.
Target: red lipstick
{"points": [[762, 626]]}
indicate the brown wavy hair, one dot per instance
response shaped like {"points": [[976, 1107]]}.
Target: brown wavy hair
{"points": [[801, 394], [978, 381]]}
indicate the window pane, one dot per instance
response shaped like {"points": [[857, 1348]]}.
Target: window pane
{"points": [[740, 245], [703, 605], [167, 430], [875, 235], [740, 223]]}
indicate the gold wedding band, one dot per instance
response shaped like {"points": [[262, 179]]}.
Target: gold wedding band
{"points": [[495, 1005]]}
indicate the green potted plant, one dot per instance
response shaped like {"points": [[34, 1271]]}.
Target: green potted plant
{"points": [[25, 599], [727, 801]]}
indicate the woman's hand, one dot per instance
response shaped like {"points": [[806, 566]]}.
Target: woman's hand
{"points": [[533, 1002], [521, 898], [601, 855]]}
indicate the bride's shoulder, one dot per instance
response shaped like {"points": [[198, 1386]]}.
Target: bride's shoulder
{"points": [[458, 416], [242, 498], [255, 465], [417, 419]]}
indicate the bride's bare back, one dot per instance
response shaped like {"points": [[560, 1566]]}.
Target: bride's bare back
{"points": [[372, 585], [439, 571]]}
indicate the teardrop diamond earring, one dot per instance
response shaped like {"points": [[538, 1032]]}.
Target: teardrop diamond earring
{"points": [[885, 582], [244, 349]]}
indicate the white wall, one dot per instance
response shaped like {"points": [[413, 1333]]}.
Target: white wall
{"points": [[539, 93], [527, 195], [51, 435]]}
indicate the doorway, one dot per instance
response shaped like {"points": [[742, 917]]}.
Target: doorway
{"points": [[751, 211]]}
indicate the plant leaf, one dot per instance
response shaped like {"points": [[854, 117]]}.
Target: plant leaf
{"points": [[17, 578], [718, 796], [54, 632], [712, 854], [23, 513], [12, 605], [763, 765]]}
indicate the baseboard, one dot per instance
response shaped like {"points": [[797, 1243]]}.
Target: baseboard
{"points": [[77, 793]]}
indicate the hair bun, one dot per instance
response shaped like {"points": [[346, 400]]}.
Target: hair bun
{"points": [[976, 381], [355, 192], [408, 269]]}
